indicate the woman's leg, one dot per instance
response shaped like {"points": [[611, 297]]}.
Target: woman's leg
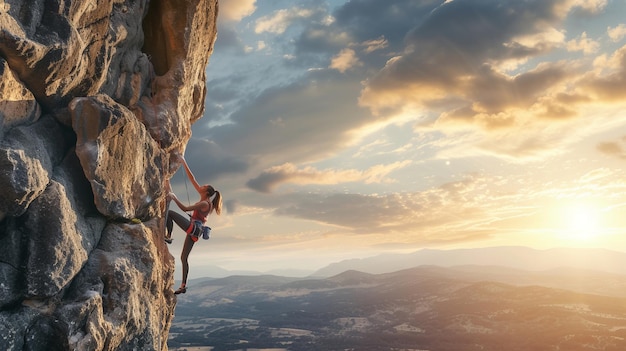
{"points": [[173, 216], [187, 246], [183, 222]]}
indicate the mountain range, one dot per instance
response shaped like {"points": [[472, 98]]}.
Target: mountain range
{"points": [[505, 256], [517, 257]]}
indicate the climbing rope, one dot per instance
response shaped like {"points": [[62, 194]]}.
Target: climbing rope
{"points": [[187, 190]]}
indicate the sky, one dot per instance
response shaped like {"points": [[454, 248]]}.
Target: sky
{"points": [[347, 129]]}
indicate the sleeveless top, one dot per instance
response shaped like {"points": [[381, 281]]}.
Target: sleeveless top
{"points": [[201, 215]]}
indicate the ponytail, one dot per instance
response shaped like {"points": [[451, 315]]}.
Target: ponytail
{"points": [[215, 198], [217, 202]]}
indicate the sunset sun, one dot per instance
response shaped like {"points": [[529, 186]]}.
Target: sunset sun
{"points": [[581, 221]]}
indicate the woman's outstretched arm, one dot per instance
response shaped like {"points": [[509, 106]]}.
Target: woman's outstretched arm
{"points": [[190, 174]]}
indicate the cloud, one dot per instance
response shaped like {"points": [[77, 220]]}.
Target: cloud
{"points": [[609, 82], [300, 122], [366, 20], [236, 10], [369, 24], [614, 149], [617, 33], [470, 209], [289, 173], [466, 67], [345, 60], [441, 212], [590, 6], [456, 68], [375, 44], [450, 54], [322, 39], [583, 44], [279, 21]]}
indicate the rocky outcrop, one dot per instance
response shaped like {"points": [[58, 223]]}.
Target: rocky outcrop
{"points": [[95, 96]]}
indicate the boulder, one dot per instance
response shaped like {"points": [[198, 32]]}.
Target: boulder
{"points": [[120, 159], [27, 156]]}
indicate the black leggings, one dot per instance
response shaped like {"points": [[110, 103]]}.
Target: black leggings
{"points": [[183, 222]]}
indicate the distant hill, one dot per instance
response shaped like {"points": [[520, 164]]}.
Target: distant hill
{"points": [[505, 256], [212, 271], [425, 308]]}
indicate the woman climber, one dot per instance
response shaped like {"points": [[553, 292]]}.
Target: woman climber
{"points": [[210, 200]]}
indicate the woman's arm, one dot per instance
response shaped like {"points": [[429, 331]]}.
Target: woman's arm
{"points": [[200, 205], [190, 175]]}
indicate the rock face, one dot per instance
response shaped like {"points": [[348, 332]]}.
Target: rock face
{"points": [[95, 96]]}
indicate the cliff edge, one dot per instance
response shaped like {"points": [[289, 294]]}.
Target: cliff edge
{"points": [[95, 96]]}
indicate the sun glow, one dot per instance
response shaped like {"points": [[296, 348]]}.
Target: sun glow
{"points": [[581, 221]]}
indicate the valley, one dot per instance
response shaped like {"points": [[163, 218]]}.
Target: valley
{"points": [[422, 308]]}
